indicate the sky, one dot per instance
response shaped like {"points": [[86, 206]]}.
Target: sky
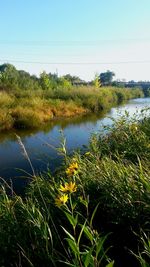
{"points": [[80, 37]]}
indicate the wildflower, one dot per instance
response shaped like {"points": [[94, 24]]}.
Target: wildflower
{"points": [[70, 172], [69, 187], [74, 165], [61, 200], [72, 169], [148, 146], [63, 188]]}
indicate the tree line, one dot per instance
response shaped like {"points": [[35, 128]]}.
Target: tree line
{"points": [[13, 79]]}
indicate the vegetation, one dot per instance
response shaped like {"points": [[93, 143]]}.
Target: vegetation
{"points": [[106, 77], [94, 211], [27, 101], [144, 85]]}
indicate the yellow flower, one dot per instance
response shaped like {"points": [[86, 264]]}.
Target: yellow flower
{"points": [[70, 172], [69, 187], [74, 165], [63, 188], [148, 146], [61, 200], [72, 169]]}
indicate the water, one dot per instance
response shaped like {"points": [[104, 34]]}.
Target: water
{"points": [[41, 144]]}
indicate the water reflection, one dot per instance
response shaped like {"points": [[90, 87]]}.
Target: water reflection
{"points": [[40, 144]]}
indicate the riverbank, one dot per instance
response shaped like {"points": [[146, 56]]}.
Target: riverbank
{"points": [[57, 217], [29, 109]]}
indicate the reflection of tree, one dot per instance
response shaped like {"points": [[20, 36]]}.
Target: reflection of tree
{"points": [[79, 120]]}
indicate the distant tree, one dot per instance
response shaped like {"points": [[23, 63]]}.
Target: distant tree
{"points": [[64, 83], [45, 81], [53, 76], [53, 80], [4, 66], [73, 79], [119, 83], [96, 81], [12, 79], [8, 76], [27, 81], [68, 77], [106, 77]]}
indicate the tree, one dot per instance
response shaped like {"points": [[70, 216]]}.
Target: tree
{"points": [[45, 81], [8, 76], [106, 77], [96, 81], [64, 83], [73, 79], [26, 81]]}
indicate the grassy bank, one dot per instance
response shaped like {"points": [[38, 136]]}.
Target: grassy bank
{"points": [[32, 108], [95, 211]]}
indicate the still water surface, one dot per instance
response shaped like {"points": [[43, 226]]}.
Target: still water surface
{"points": [[41, 144]]}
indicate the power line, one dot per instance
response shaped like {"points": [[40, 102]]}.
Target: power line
{"points": [[71, 43], [76, 63]]}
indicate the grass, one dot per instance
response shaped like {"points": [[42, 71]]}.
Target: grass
{"points": [[95, 211], [32, 108]]}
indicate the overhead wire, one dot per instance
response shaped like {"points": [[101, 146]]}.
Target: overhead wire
{"points": [[76, 63], [71, 43]]}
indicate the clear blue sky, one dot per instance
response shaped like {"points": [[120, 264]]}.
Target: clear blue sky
{"points": [[114, 33]]}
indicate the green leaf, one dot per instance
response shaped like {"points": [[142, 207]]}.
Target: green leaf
{"points": [[73, 221], [99, 245], [89, 258], [73, 246], [82, 229], [84, 202], [71, 236], [88, 234], [67, 263], [111, 264], [93, 214]]}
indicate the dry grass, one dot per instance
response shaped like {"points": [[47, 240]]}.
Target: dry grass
{"points": [[31, 109]]}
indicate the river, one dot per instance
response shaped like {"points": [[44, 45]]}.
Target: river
{"points": [[41, 144]]}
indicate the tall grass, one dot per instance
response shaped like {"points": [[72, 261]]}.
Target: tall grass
{"points": [[95, 211], [31, 109], [37, 231]]}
